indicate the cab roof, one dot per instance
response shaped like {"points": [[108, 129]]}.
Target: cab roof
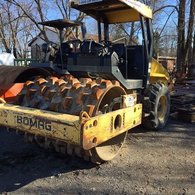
{"points": [[113, 11], [61, 23]]}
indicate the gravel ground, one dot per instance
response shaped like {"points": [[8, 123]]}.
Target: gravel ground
{"points": [[149, 163]]}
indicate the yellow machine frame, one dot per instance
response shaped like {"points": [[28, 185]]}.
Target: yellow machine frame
{"points": [[82, 131]]}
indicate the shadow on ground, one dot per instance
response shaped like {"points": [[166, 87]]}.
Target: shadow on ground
{"points": [[21, 163]]}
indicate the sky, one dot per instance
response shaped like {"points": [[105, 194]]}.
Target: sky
{"points": [[91, 25]]}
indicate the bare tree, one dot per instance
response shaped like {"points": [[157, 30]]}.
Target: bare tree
{"points": [[11, 26], [4, 27], [19, 21], [28, 7], [189, 38], [184, 50], [193, 52], [35, 10], [63, 7]]}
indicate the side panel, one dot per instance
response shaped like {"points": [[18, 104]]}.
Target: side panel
{"points": [[103, 127], [53, 125], [82, 131]]}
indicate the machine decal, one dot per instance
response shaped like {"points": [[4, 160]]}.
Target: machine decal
{"points": [[37, 123]]}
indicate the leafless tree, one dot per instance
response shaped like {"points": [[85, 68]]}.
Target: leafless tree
{"points": [[13, 24], [189, 38], [193, 51], [184, 51], [19, 21], [64, 9], [34, 11]]}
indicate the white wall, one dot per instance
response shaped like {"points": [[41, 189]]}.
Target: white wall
{"points": [[52, 36], [36, 52]]}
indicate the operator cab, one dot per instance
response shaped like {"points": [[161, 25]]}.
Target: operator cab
{"points": [[56, 55], [114, 60]]}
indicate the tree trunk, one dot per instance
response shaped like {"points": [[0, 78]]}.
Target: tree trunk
{"points": [[188, 46], [132, 31], [4, 41], [193, 55], [181, 35]]}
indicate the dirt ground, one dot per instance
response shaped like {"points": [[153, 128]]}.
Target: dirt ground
{"points": [[149, 163]]}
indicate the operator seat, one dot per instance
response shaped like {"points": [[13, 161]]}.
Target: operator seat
{"points": [[90, 46], [135, 57], [119, 48], [66, 49]]}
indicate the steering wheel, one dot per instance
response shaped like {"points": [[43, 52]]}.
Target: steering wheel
{"points": [[105, 43], [105, 47], [75, 42]]}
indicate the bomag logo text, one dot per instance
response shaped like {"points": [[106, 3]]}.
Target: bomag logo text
{"points": [[37, 123]]}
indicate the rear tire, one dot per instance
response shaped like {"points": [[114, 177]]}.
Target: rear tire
{"points": [[156, 106]]}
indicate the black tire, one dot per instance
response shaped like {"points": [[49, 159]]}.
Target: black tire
{"points": [[156, 106]]}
